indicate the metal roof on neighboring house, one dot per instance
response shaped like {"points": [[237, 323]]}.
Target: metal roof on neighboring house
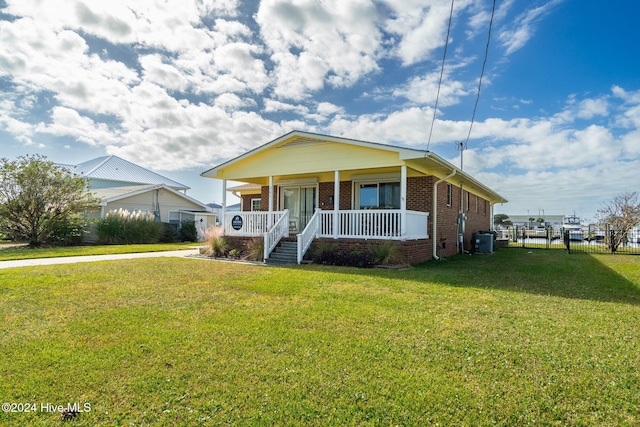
{"points": [[107, 195], [114, 168]]}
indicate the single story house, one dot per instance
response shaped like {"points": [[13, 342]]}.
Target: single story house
{"points": [[304, 186], [120, 184]]}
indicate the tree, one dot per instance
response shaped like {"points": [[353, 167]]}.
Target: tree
{"points": [[41, 201], [620, 215], [501, 220], [540, 221]]}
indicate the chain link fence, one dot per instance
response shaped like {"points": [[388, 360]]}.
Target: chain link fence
{"points": [[589, 240]]}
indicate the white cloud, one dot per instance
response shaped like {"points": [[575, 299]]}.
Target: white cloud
{"points": [[422, 28], [312, 43], [524, 27]]}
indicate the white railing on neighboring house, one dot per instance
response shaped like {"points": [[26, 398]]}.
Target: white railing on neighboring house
{"points": [[248, 223], [308, 234], [279, 230]]}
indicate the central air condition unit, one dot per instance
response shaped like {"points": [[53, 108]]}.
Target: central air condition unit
{"points": [[483, 243]]}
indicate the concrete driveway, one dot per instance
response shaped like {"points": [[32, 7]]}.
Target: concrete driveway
{"points": [[93, 258]]}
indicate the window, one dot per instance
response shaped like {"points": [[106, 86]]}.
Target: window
{"points": [[467, 201], [256, 204], [476, 204], [174, 217], [380, 195], [449, 196]]}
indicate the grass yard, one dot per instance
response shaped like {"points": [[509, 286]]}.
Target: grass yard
{"points": [[516, 338], [9, 253]]}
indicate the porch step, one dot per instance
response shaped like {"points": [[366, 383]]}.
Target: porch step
{"points": [[284, 253]]}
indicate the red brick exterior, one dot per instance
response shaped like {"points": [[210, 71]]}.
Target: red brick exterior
{"points": [[419, 198]]}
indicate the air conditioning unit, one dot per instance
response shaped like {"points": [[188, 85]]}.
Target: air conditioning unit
{"points": [[483, 243]]}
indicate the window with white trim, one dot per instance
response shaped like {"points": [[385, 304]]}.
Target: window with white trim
{"points": [[256, 204], [174, 217], [449, 195], [378, 195]]}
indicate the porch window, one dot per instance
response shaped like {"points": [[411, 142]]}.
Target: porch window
{"points": [[256, 205], [379, 195]]}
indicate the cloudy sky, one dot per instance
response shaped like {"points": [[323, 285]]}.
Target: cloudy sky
{"points": [[181, 86]]}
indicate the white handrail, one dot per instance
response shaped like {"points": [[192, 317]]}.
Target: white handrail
{"points": [[279, 230], [308, 234]]}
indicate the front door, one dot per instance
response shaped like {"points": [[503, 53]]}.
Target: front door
{"points": [[301, 203]]}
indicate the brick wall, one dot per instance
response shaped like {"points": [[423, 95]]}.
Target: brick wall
{"points": [[325, 190]]}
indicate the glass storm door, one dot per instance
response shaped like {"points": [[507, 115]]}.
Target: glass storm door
{"points": [[301, 203]]}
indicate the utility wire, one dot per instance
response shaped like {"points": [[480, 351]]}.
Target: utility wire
{"points": [[444, 56], [484, 63]]}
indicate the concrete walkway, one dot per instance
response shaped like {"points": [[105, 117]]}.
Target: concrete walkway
{"points": [[93, 258]]}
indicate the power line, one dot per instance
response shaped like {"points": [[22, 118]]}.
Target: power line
{"points": [[484, 63], [444, 56]]}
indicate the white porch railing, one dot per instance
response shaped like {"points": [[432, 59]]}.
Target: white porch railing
{"points": [[250, 224], [308, 234], [375, 224], [279, 230], [417, 225]]}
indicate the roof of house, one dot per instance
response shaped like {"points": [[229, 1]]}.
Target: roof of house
{"points": [[113, 194], [419, 160], [114, 168]]}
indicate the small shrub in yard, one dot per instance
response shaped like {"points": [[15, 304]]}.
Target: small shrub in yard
{"points": [[122, 227], [319, 248], [215, 243], [387, 253], [255, 249], [347, 259]]}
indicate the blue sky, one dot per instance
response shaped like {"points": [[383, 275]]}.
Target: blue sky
{"points": [[180, 87]]}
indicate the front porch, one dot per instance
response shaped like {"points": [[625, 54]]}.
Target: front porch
{"points": [[365, 224]]}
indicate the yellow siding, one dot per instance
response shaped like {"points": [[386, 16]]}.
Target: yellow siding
{"points": [[146, 202], [313, 158]]}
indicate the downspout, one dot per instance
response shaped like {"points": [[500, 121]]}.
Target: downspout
{"points": [[435, 213]]}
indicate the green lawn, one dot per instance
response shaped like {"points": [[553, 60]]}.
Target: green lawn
{"points": [[10, 253], [510, 339]]}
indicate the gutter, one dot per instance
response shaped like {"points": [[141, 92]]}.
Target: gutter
{"points": [[435, 212]]}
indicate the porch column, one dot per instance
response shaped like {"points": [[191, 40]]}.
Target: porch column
{"points": [[403, 201], [336, 203], [224, 205], [270, 219]]}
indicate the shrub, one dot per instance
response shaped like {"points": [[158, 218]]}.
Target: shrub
{"points": [[215, 243], [169, 233], [255, 249], [188, 231], [347, 259], [387, 253], [319, 248], [66, 231], [122, 227]]}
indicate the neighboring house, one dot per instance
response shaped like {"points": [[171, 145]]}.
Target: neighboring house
{"points": [[113, 171], [354, 193], [120, 184]]}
